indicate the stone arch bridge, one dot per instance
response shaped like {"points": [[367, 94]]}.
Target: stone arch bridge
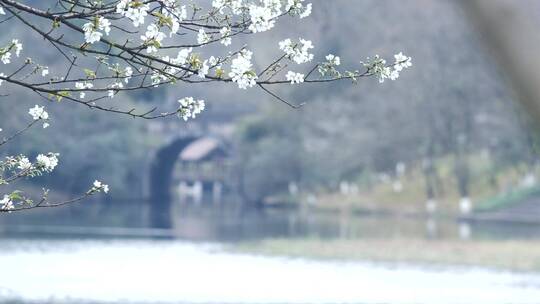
{"points": [[183, 153]]}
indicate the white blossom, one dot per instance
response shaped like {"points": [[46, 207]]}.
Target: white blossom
{"points": [[2, 12], [203, 70], [263, 17], [152, 38], [48, 162], [297, 52], [18, 46], [24, 163], [44, 71], [307, 11], [333, 59], [190, 108], [5, 53], [225, 39], [297, 7], [6, 58], [213, 61], [294, 77], [82, 86], [293, 4], [113, 88], [104, 25], [202, 37], [157, 78], [6, 203], [38, 112], [236, 6], [92, 30], [378, 67], [135, 11], [98, 186], [402, 62], [241, 70], [90, 35], [128, 72], [182, 56], [177, 13], [393, 75]]}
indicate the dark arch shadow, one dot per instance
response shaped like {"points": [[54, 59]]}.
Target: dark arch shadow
{"points": [[161, 170]]}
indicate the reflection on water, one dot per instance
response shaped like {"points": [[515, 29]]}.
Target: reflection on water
{"points": [[100, 259], [230, 222], [233, 224]]}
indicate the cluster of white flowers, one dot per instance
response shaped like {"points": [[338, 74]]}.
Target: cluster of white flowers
{"points": [[38, 113], [297, 52], [5, 53], [204, 68], [226, 19], [128, 72], [297, 7], [92, 30], [157, 77], [117, 71], [44, 163], [114, 88], [213, 61], [263, 13], [24, 163], [241, 70], [83, 86], [182, 56], [378, 67], [6, 203], [6, 57], [236, 6], [176, 14], [402, 62], [17, 46], [203, 37], [152, 38], [225, 32], [263, 17], [333, 59], [136, 11], [99, 186], [295, 77], [329, 67], [48, 162], [190, 108]]}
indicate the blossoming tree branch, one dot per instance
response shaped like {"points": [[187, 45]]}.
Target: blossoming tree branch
{"points": [[113, 46]]}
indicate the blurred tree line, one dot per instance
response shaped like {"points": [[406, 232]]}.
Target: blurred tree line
{"points": [[454, 105]]}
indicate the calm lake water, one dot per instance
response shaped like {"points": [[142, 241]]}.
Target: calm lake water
{"points": [[191, 263]]}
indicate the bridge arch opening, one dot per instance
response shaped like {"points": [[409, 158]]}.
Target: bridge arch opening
{"points": [[186, 149]]}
